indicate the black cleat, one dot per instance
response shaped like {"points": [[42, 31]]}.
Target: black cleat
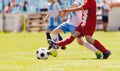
{"points": [[53, 44], [106, 55], [63, 47], [49, 47]]}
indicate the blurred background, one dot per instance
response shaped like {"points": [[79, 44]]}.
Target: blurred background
{"points": [[28, 15], [33, 6]]}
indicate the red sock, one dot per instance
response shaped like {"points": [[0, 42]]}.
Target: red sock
{"points": [[66, 41], [99, 46]]}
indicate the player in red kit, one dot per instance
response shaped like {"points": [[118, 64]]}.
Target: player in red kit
{"points": [[86, 27]]}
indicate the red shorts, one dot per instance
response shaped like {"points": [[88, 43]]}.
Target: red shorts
{"points": [[88, 29]]}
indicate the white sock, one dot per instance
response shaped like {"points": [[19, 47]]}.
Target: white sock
{"points": [[90, 46], [55, 37]]}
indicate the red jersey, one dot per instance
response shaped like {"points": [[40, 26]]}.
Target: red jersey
{"points": [[88, 24]]}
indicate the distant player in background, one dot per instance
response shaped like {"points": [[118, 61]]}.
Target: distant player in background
{"points": [[105, 10], [7, 8], [74, 18], [24, 6], [86, 27], [53, 18]]}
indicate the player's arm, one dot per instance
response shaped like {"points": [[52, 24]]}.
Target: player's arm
{"points": [[114, 5], [64, 11], [46, 18], [73, 9], [47, 15]]}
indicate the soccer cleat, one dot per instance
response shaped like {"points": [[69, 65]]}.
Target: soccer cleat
{"points": [[49, 47], [106, 54], [53, 53], [53, 44], [63, 47], [98, 55]]}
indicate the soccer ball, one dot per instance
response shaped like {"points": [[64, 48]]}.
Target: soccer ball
{"points": [[42, 53]]}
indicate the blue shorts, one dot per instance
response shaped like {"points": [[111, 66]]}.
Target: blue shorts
{"points": [[65, 27], [52, 25]]}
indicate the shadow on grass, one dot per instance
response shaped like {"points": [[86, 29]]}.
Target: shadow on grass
{"points": [[90, 59]]}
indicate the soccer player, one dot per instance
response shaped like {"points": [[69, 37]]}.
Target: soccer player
{"points": [[105, 10], [86, 27], [74, 18], [53, 18]]}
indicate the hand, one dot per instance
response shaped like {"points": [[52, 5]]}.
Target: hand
{"points": [[63, 12], [45, 20], [110, 5]]}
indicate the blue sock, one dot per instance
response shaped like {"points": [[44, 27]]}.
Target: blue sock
{"points": [[60, 37], [48, 36]]}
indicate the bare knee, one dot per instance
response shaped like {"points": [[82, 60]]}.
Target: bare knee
{"points": [[57, 31], [90, 39], [80, 41], [75, 34]]}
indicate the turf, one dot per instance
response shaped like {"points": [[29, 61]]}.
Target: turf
{"points": [[17, 53]]}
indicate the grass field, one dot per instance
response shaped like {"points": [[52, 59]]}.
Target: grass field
{"points": [[17, 53]]}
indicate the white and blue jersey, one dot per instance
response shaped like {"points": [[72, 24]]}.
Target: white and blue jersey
{"points": [[74, 19], [53, 11], [105, 7]]}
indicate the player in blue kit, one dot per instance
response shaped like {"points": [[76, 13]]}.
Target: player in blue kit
{"points": [[53, 18]]}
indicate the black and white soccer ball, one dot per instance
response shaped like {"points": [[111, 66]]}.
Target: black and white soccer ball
{"points": [[42, 53]]}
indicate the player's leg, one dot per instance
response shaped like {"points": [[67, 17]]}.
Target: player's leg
{"points": [[104, 26], [54, 51], [60, 38], [65, 28], [105, 22], [56, 38], [87, 45], [56, 35], [68, 40], [48, 31], [48, 37], [64, 42], [48, 34], [90, 47], [98, 45]]}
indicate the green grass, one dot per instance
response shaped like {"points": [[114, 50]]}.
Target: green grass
{"points": [[17, 53]]}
